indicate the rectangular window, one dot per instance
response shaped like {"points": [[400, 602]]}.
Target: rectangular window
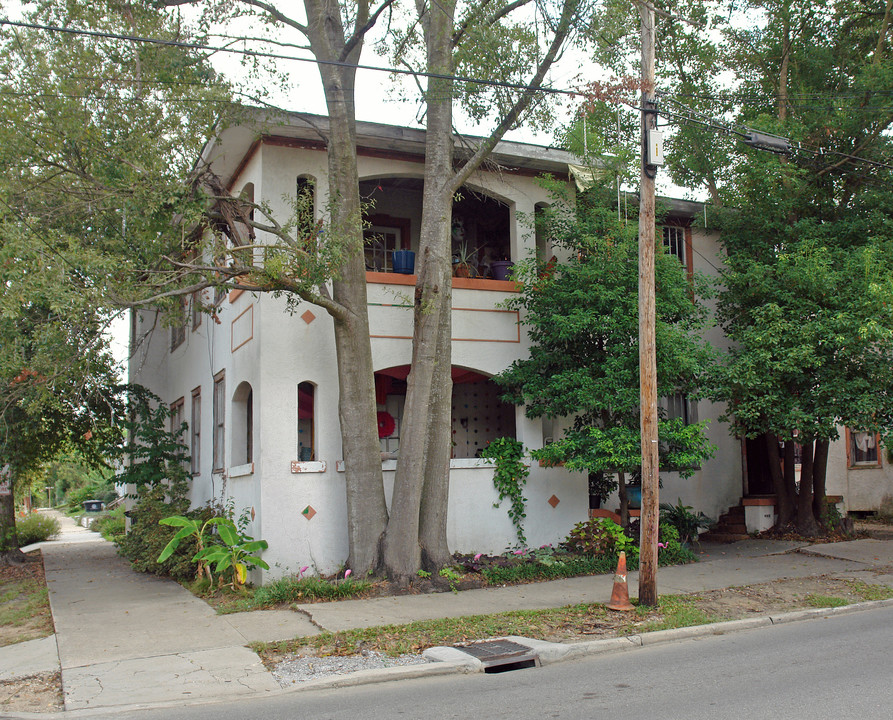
{"points": [[862, 449], [306, 411], [219, 421], [197, 309], [196, 431], [384, 235], [178, 331], [176, 416], [674, 242], [680, 406]]}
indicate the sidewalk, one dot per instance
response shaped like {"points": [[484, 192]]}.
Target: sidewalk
{"points": [[125, 638]]}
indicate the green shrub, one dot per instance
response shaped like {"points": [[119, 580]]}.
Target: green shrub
{"points": [[147, 538], [36, 528], [686, 522], [571, 566], [600, 536], [110, 525]]}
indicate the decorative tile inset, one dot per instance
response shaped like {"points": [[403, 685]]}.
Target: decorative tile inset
{"points": [[252, 512], [308, 317], [308, 512], [553, 501]]}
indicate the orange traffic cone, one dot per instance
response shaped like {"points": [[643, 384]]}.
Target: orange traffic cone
{"points": [[620, 593]]}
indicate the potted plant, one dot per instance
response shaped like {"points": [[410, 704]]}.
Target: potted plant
{"points": [[462, 261], [501, 269]]}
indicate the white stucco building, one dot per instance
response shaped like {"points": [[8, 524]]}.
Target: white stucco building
{"points": [[258, 386]]}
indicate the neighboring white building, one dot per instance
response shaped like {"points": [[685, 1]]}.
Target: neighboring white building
{"points": [[258, 387]]}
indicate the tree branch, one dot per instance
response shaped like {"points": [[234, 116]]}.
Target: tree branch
{"points": [[360, 31]]}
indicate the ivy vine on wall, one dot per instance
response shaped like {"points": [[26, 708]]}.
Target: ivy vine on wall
{"points": [[509, 476]]}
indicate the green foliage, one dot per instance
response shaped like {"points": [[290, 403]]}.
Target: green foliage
{"points": [[36, 527], [452, 577], [584, 362], [681, 517], [147, 538], [300, 590], [570, 566], [600, 536], [230, 549], [509, 477], [111, 525], [155, 454]]}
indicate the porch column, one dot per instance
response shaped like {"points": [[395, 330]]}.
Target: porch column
{"points": [[522, 236]]}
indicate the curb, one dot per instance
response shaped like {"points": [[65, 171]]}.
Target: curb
{"points": [[450, 660]]}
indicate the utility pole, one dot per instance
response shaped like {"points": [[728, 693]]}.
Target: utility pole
{"points": [[652, 154]]}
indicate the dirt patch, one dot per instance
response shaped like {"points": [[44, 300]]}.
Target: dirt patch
{"points": [[36, 693], [25, 607]]}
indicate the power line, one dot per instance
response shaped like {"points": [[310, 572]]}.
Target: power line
{"points": [[278, 56]]}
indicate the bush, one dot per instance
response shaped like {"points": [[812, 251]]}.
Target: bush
{"points": [[36, 528], [147, 538], [111, 525], [600, 536]]}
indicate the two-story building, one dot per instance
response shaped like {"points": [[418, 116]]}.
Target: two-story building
{"points": [[258, 387]]}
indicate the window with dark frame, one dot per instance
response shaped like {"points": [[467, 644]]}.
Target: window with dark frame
{"points": [[674, 242], [176, 416], [306, 411], [178, 331], [863, 448], [219, 419], [196, 309], [680, 406], [196, 431]]}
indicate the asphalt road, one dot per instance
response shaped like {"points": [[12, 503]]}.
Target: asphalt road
{"points": [[835, 668]]}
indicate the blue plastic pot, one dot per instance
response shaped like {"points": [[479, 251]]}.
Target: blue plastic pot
{"points": [[403, 262]]}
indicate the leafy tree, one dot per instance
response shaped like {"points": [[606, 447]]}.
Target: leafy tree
{"points": [[583, 364], [809, 273]]}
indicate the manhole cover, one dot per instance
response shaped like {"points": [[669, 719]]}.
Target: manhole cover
{"points": [[501, 655]]}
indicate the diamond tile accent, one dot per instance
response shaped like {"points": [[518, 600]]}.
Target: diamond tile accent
{"points": [[553, 501], [308, 317], [308, 512]]}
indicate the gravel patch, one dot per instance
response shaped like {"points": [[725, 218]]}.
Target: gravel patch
{"points": [[295, 670]]}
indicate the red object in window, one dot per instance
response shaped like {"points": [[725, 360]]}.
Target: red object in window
{"points": [[386, 424]]}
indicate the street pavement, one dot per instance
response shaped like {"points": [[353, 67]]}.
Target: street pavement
{"points": [[130, 639]]}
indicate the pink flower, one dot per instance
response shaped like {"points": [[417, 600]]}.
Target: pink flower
{"points": [[347, 574], [478, 557], [303, 570], [543, 547], [520, 552]]}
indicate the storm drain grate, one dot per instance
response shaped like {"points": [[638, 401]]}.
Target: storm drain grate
{"points": [[501, 655]]}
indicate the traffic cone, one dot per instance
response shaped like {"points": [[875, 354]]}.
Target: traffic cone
{"points": [[620, 593]]}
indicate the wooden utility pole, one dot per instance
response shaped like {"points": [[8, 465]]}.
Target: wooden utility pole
{"points": [[647, 356]]}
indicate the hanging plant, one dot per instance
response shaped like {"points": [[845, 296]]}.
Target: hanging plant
{"points": [[509, 478], [386, 424]]}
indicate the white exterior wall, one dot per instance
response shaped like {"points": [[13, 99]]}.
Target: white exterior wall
{"points": [[277, 351]]}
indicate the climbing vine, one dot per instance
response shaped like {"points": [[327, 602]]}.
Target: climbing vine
{"points": [[509, 478]]}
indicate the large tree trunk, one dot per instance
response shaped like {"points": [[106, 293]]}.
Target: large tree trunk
{"points": [[819, 470], [783, 497], [436, 490], [428, 384], [8, 539], [806, 523], [366, 508]]}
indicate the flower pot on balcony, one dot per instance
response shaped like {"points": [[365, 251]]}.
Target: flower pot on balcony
{"points": [[501, 269], [403, 261]]}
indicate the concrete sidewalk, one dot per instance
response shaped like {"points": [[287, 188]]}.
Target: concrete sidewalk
{"points": [[125, 638]]}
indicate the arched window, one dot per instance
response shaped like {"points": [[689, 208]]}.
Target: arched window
{"points": [[306, 421], [243, 425], [305, 209]]}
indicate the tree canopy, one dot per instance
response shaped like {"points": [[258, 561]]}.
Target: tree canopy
{"points": [[582, 316]]}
